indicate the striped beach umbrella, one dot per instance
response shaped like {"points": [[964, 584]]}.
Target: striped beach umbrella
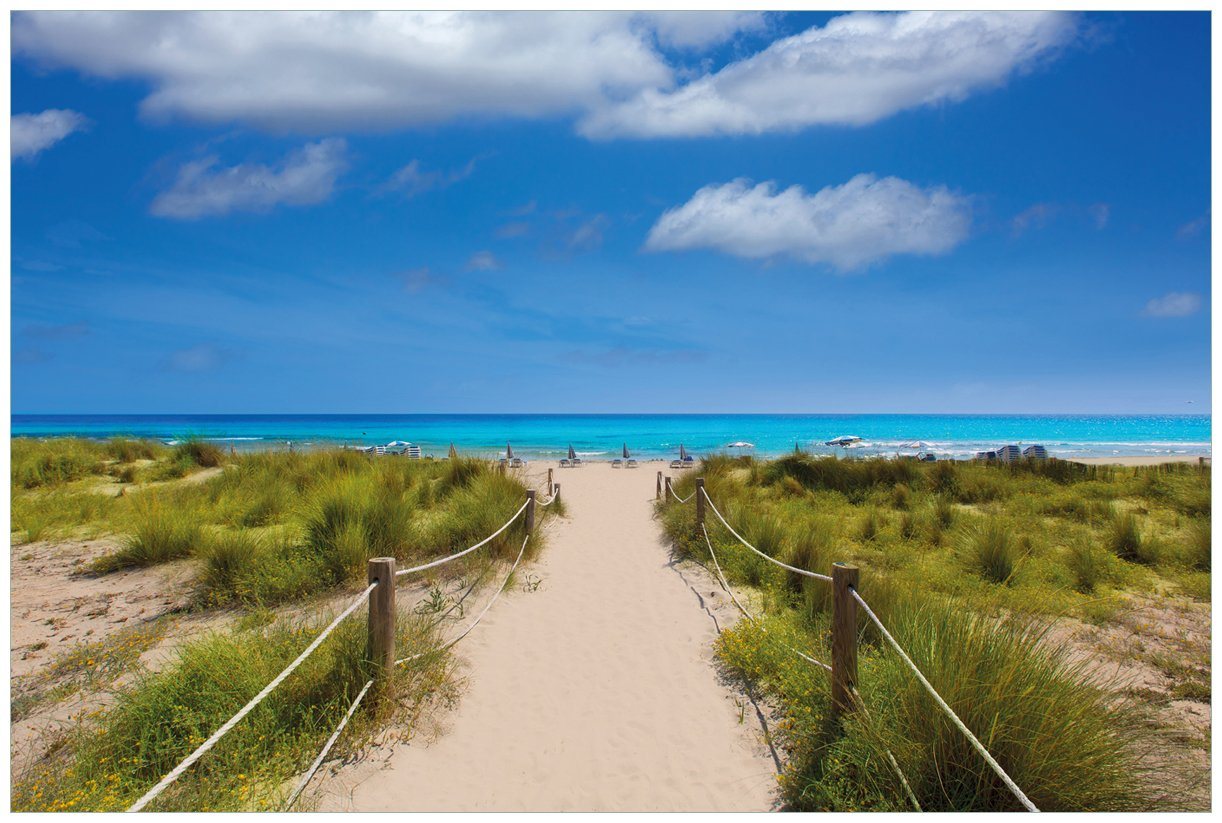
{"points": [[572, 454], [625, 451], [682, 452]]}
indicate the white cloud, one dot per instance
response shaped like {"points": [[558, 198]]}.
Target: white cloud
{"points": [[30, 134], [325, 71], [483, 261], [1033, 217], [857, 69], [1174, 304], [322, 72], [863, 221], [413, 179], [307, 176]]}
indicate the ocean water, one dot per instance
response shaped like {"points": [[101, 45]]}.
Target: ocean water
{"points": [[597, 436]]}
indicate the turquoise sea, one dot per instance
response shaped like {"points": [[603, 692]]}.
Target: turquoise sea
{"points": [[598, 436]]}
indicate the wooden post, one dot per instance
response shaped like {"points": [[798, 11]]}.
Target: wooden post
{"points": [[699, 502], [549, 483], [666, 489], [556, 492], [657, 495], [844, 636], [530, 511], [382, 616]]}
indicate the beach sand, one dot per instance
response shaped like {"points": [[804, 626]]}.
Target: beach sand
{"points": [[595, 692], [1144, 460]]}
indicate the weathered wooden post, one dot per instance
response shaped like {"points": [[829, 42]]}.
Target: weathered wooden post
{"points": [[382, 616], [657, 494], [556, 493], [844, 636], [530, 511], [699, 502], [666, 493], [549, 482]]}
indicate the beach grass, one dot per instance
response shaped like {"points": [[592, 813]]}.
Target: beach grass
{"points": [[110, 758], [970, 565]]}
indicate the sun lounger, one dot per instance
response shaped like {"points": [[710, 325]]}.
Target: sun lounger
{"points": [[617, 463], [565, 464], [1035, 453], [379, 450], [630, 464], [516, 463], [577, 464], [1008, 453], [986, 455], [413, 452], [676, 464], [688, 462], [927, 457]]}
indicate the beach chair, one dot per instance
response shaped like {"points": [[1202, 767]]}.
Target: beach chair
{"points": [[577, 464], [617, 463], [927, 457], [986, 456], [1035, 453], [516, 463], [676, 464], [630, 463], [565, 464], [380, 451], [413, 452], [688, 462]]}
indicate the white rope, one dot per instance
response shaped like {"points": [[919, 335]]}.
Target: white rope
{"points": [[549, 500], [245, 710], [677, 497], [1005, 778], [475, 622], [309, 775], [436, 563], [769, 558], [725, 584]]}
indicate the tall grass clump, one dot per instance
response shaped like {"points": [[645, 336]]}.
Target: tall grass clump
{"points": [[991, 551], [125, 450], [811, 548], [1124, 537], [1088, 564], [163, 533], [1199, 545], [198, 453], [852, 478]]}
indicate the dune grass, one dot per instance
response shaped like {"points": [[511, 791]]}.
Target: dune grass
{"points": [[969, 565], [109, 760]]}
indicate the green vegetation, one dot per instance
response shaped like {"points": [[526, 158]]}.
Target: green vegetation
{"points": [[266, 529], [110, 759], [271, 526], [968, 565]]}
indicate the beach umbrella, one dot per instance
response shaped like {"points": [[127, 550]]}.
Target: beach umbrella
{"points": [[625, 451], [572, 454], [682, 452], [453, 452], [741, 444], [508, 451], [797, 449]]}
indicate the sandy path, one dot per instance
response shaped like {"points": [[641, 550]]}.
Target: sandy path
{"points": [[595, 692]]}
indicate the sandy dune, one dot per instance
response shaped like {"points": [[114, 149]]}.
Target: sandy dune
{"points": [[597, 691]]}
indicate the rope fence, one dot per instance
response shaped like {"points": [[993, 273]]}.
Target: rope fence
{"points": [[843, 669], [381, 640]]}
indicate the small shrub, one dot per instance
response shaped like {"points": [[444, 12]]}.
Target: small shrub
{"points": [[163, 534], [1200, 545], [901, 497], [198, 453], [871, 525], [1088, 564]]}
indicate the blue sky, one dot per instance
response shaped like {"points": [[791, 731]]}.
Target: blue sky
{"points": [[993, 213]]}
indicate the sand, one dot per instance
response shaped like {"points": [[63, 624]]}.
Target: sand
{"points": [[1143, 460], [597, 691]]}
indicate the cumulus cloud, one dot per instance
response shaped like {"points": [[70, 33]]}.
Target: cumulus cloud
{"points": [[856, 70], [30, 134], [849, 226], [1174, 304], [413, 179], [203, 189], [483, 261], [319, 72]]}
